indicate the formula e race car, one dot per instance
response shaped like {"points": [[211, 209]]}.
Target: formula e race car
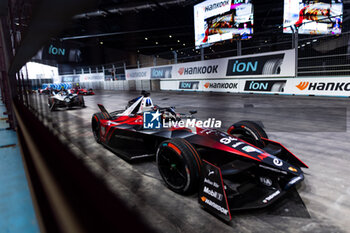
{"points": [[82, 91], [234, 170], [45, 91], [63, 99]]}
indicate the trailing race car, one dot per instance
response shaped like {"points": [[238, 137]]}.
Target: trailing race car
{"points": [[63, 99], [234, 170], [82, 91], [45, 91]]}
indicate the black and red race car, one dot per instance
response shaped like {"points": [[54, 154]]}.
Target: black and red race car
{"points": [[234, 170], [82, 91], [45, 91]]}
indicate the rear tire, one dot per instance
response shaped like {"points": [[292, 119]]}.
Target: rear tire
{"points": [[52, 104], [250, 132], [82, 102], [95, 125], [179, 165]]}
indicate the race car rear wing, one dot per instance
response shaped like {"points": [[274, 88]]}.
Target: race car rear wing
{"points": [[104, 111]]}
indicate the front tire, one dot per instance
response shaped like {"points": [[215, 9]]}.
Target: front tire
{"points": [[179, 165], [249, 131]]}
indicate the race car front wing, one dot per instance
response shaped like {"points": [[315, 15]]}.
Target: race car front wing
{"points": [[222, 192]]}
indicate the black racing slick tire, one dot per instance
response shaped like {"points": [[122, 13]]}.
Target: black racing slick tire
{"points": [[82, 102], [95, 126], [250, 132], [52, 104], [179, 165]]}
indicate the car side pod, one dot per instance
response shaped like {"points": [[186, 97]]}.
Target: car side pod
{"points": [[212, 195]]}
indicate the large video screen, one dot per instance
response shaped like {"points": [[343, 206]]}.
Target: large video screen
{"points": [[219, 20], [313, 17]]}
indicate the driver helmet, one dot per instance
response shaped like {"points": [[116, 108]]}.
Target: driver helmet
{"points": [[146, 104]]}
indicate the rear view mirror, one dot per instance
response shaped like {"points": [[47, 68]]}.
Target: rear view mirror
{"points": [[193, 112]]}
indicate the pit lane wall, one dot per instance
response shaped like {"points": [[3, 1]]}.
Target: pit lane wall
{"points": [[318, 86], [264, 65], [266, 73]]}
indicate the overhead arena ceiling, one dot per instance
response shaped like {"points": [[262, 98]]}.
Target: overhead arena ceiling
{"points": [[117, 28]]}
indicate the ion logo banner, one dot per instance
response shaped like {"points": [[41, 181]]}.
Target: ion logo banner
{"points": [[189, 85], [161, 72], [60, 52], [265, 85], [265, 65], [70, 78]]}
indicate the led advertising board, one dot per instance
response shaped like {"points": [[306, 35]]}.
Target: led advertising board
{"points": [[219, 20], [313, 17]]}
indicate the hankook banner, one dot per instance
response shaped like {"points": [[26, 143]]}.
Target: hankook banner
{"points": [[75, 78], [142, 73], [274, 64], [203, 85], [339, 87], [319, 86]]}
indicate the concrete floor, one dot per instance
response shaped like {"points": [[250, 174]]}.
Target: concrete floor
{"points": [[316, 129], [16, 208]]}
